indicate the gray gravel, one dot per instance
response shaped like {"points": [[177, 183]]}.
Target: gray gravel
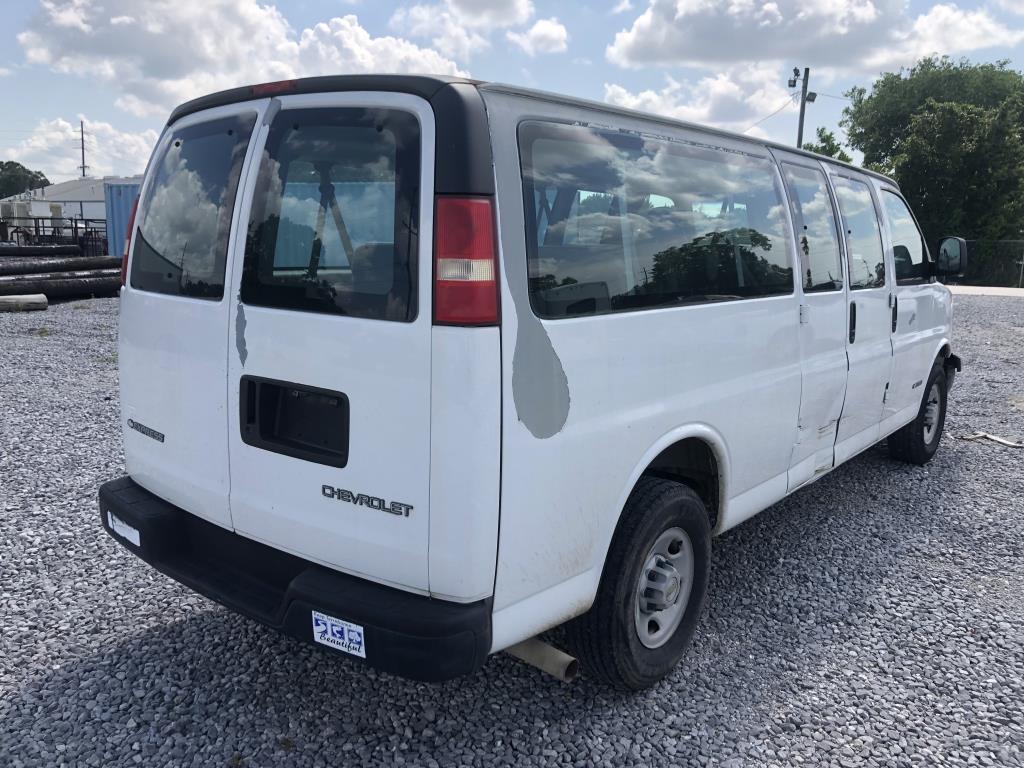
{"points": [[876, 618]]}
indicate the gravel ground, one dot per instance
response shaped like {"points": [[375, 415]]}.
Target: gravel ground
{"points": [[876, 618]]}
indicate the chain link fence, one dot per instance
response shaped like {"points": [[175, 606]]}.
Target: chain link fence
{"points": [[994, 262]]}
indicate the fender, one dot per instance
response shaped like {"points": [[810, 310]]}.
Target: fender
{"points": [[575, 595], [941, 346], [701, 431]]}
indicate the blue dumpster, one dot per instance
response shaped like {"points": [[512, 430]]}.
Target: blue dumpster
{"points": [[119, 197]]}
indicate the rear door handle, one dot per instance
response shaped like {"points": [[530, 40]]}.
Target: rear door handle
{"points": [[853, 321], [895, 304], [296, 420]]}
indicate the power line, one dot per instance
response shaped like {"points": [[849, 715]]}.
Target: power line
{"points": [[833, 96], [786, 103]]}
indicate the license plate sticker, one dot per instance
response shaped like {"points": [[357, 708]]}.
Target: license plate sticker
{"points": [[339, 634], [122, 529]]}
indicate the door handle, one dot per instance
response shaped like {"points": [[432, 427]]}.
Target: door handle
{"points": [[294, 420], [895, 304], [853, 321]]}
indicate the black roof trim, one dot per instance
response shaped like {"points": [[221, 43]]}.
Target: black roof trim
{"points": [[424, 86], [463, 161]]}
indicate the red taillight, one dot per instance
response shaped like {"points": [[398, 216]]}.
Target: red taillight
{"points": [[270, 89], [465, 263], [128, 242]]}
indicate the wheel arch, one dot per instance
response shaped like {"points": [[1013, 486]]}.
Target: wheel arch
{"points": [[696, 443]]}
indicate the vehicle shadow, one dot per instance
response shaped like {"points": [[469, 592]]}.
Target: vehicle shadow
{"points": [[788, 588]]}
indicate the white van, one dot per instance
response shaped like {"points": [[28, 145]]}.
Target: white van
{"points": [[418, 368]]}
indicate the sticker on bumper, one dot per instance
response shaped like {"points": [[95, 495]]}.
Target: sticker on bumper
{"points": [[122, 529], [338, 634]]}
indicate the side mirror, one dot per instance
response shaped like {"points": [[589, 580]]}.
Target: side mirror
{"points": [[952, 259]]}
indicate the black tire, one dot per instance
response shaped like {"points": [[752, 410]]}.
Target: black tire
{"points": [[909, 443], [605, 638]]}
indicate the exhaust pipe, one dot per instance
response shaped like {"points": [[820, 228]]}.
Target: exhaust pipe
{"points": [[546, 658]]}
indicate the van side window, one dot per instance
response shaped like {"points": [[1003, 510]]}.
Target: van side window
{"points": [[907, 243], [817, 235], [863, 235], [617, 221], [181, 244], [335, 216]]}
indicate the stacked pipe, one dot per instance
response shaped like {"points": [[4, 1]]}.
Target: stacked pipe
{"points": [[58, 271]]}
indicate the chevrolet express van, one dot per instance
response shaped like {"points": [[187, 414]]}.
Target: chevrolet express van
{"points": [[418, 368]]}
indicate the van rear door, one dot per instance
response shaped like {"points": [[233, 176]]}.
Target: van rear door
{"points": [[328, 369], [174, 311]]}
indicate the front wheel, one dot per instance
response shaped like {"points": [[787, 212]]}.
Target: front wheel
{"points": [[918, 441], [652, 589]]}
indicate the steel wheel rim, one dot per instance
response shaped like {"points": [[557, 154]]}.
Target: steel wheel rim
{"points": [[663, 588], [931, 413]]}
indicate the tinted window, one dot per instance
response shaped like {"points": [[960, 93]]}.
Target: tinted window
{"points": [[817, 236], [907, 243], [335, 217], [182, 242], [863, 237], [617, 221]]}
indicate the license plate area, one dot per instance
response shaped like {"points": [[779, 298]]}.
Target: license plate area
{"points": [[308, 423]]}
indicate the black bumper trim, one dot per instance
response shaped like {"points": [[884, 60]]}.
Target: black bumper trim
{"points": [[953, 366], [405, 634]]}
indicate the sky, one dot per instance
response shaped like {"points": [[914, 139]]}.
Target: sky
{"points": [[122, 65]]}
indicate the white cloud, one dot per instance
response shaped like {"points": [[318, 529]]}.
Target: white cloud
{"points": [[733, 99], [444, 29], [746, 47], [852, 35], [460, 28], [494, 13], [4, 71], [1014, 6], [545, 36], [162, 52], [946, 29], [622, 6], [52, 148]]}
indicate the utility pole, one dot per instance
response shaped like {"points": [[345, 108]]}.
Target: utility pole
{"points": [[806, 97], [799, 131], [81, 133]]}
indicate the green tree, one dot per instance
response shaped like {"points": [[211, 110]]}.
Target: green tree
{"points": [[952, 135], [877, 122], [962, 168], [16, 178], [828, 145]]}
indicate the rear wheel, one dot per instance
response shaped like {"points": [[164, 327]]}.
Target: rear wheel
{"points": [[917, 442], [652, 589]]}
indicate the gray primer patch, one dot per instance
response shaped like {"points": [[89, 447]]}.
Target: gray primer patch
{"points": [[243, 352], [540, 388]]}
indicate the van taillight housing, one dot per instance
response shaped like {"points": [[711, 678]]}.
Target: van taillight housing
{"points": [[465, 262], [128, 242]]}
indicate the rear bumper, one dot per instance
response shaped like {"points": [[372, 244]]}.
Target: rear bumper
{"points": [[405, 634]]}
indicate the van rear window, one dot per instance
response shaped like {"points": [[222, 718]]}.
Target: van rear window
{"points": [[181, 244], [617, 221], [334, 221]]}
